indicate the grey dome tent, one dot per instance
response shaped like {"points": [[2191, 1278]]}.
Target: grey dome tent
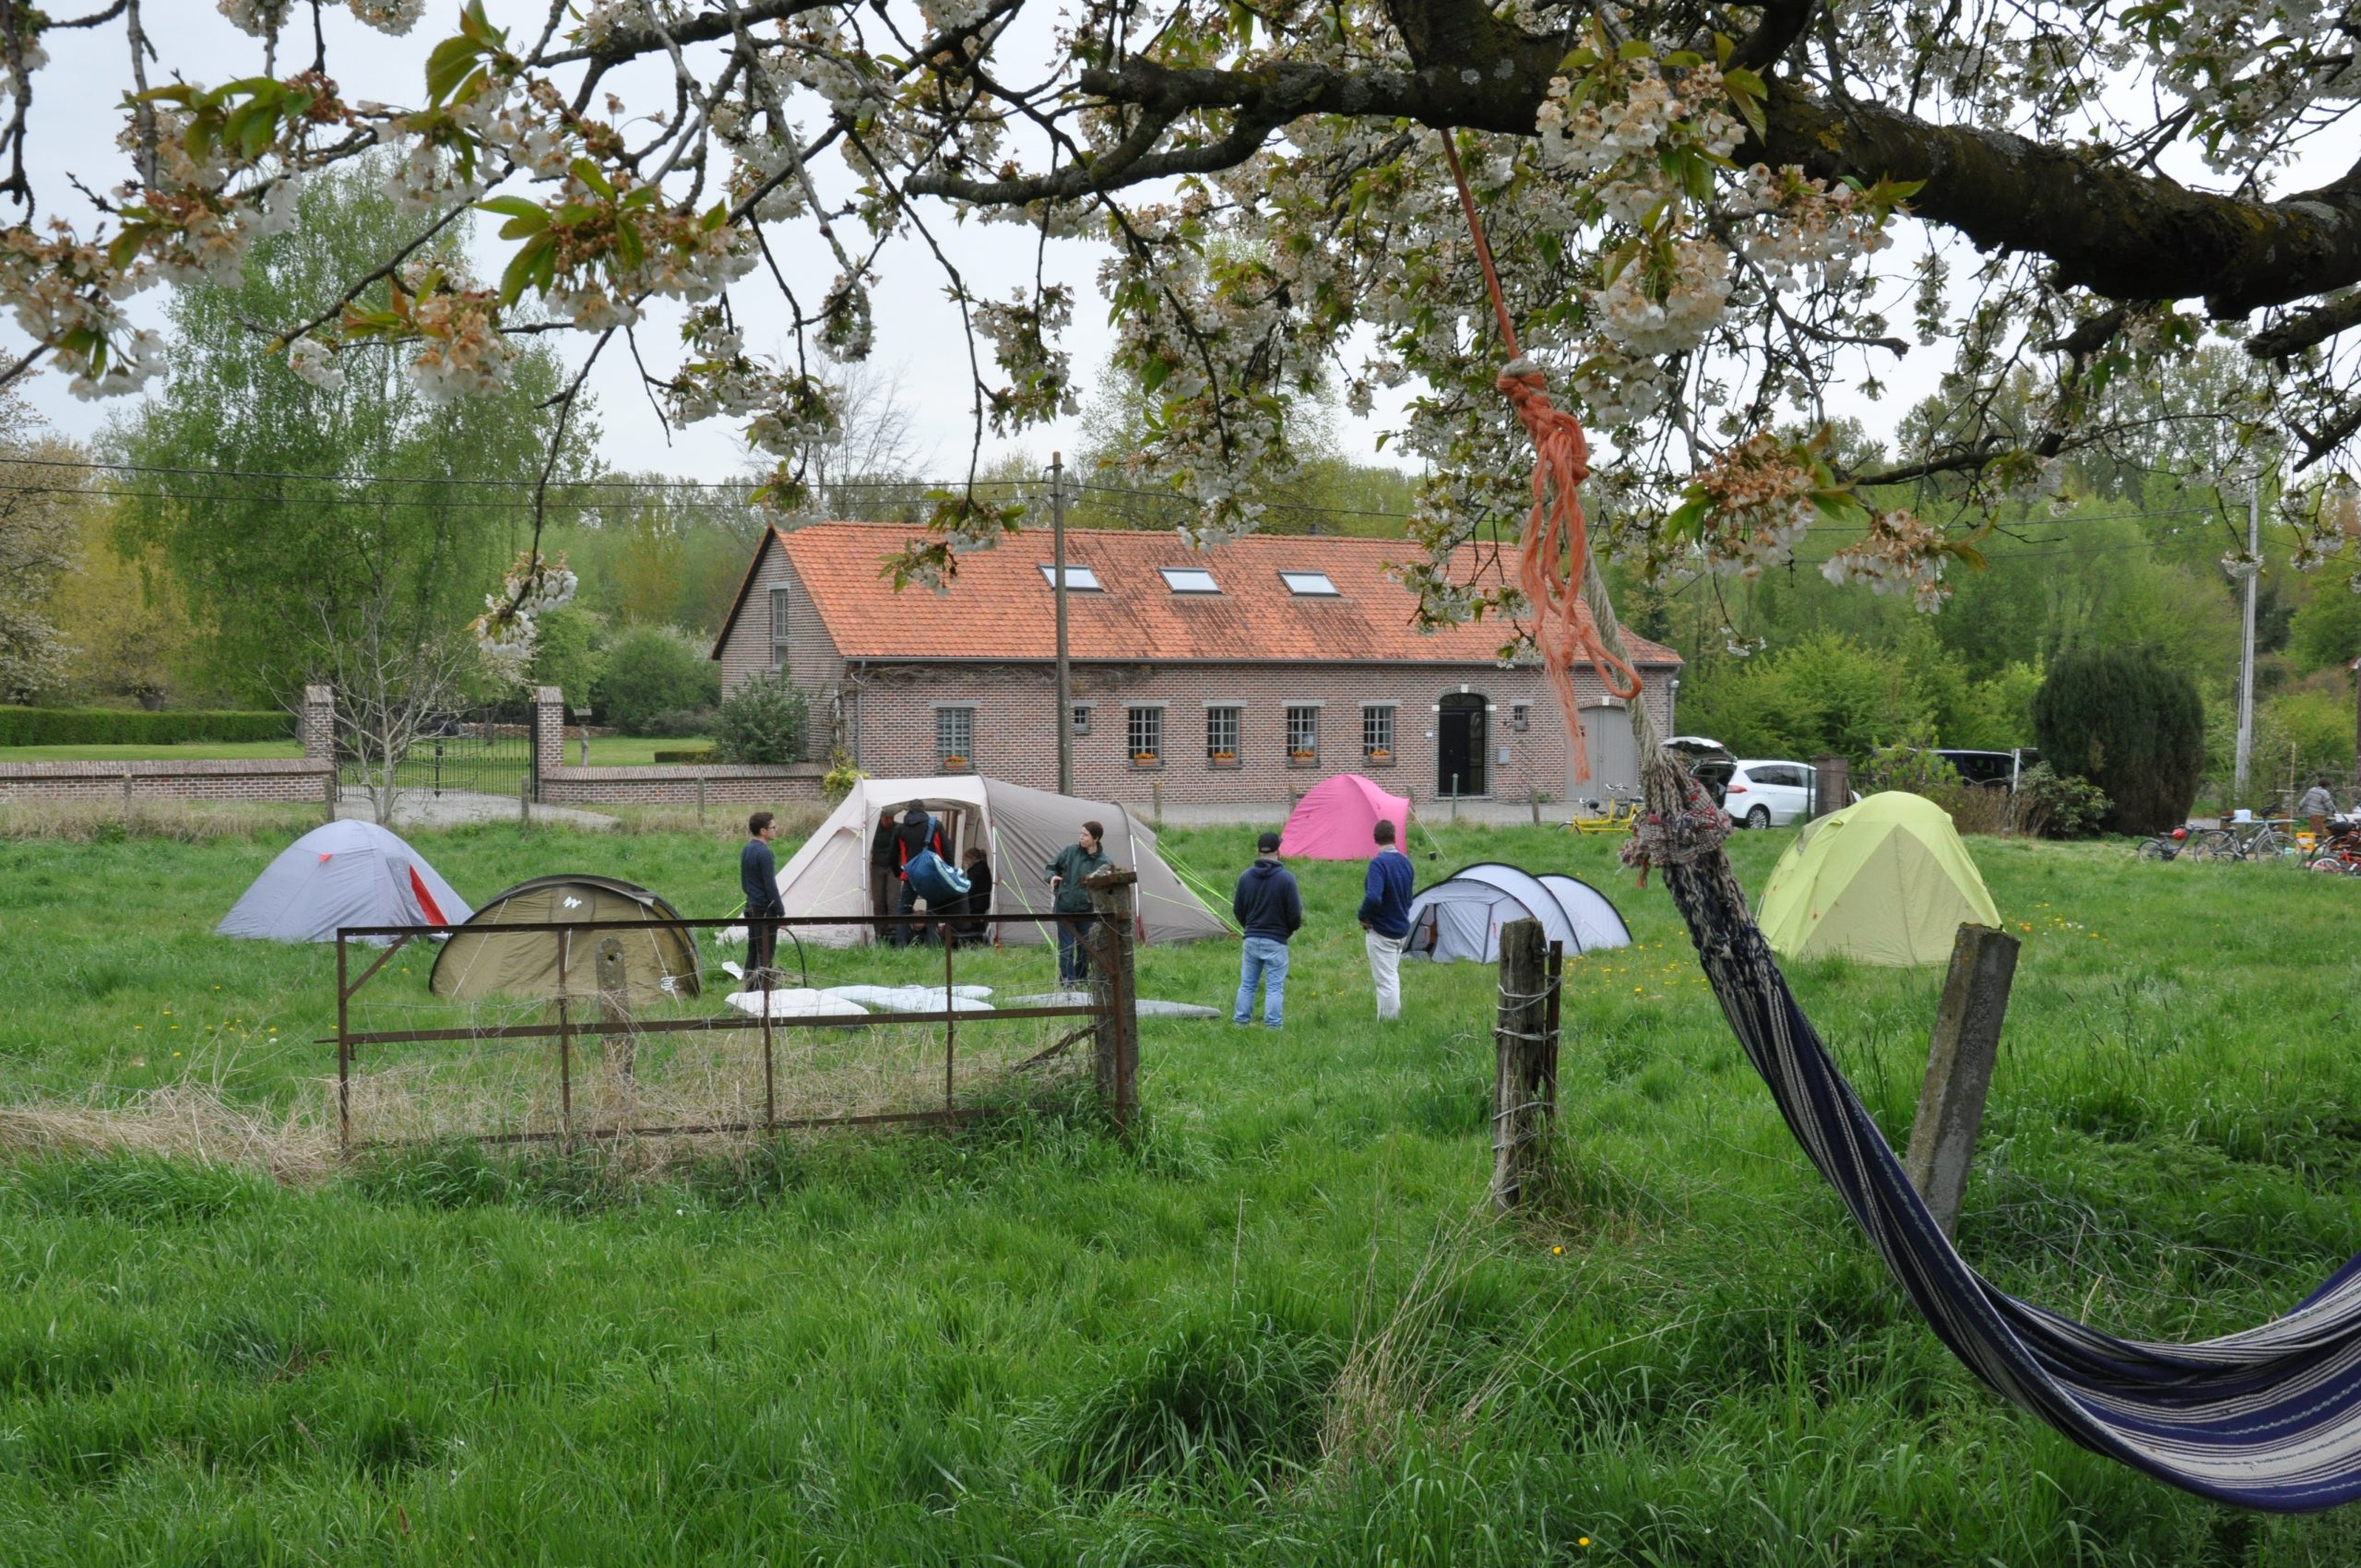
{"points": [[484, 959], [344, 873], [1461, 916]]}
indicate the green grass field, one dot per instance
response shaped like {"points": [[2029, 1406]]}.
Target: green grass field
{"points": [[187, 750], [1277, 1327], [606, 751]]}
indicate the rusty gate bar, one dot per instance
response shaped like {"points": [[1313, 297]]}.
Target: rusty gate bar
{"points": [[343, 1055], [565, 1031], [951, 1010], [770, 1089], [564, 1045]]}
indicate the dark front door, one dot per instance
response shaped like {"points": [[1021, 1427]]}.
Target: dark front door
{"points": [[1460, 743]]}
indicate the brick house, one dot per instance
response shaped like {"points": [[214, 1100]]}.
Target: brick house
{"points": [[1234, 674]]}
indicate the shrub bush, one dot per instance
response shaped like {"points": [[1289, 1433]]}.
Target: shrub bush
{"points": [[679, 724], [2128, 724], [2050, 805], [651, 670], [763, 720], [117, 727]]}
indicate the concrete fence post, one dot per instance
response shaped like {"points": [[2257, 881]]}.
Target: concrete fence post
{"points": [[1959, 1069]]}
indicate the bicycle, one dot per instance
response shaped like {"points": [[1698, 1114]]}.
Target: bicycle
{"points": [[1620, 815], [2260, 839]]}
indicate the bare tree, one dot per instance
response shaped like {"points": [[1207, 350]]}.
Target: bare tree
{"points": [[393, 676], [868, 463]]}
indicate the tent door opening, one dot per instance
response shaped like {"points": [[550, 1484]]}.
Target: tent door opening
{"points": [[1460, 740]]}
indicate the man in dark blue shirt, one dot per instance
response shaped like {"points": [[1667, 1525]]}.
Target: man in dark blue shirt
{"points": [[758, 877], [1385, 918]]}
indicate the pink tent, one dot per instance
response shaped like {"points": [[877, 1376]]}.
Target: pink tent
{"points": [[1335, 821]]}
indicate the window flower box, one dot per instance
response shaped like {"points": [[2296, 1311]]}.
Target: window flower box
{"points": [[1303, 759], [955, 763], [1221, 759], [1147, 759], [1380, 756]]}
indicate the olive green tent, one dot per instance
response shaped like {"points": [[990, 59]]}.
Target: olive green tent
{"points": [[1885, 880], [484, 959]]}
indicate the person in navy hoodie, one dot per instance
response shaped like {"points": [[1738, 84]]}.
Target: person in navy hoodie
{"points": [[1385, 919], [1269, 910]]}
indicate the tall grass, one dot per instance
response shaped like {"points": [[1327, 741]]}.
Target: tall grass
{"points": [[1274, 1327]]}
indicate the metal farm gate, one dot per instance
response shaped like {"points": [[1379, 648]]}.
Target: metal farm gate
{"points": [[487, 752]]}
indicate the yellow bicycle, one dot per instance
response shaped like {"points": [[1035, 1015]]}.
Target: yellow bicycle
{"points": [[1618, 817]]}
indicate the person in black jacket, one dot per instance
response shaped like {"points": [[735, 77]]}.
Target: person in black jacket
{"points": [[1269, 910], [882, 866], [918, 831], [978, 899]]}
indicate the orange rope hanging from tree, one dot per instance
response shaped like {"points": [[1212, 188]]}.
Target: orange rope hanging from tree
{"points": [[1555, 549]]}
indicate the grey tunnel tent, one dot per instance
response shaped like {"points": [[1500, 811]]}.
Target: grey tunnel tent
{"points": [[484, 960], [1461, 916], [342, 875]]}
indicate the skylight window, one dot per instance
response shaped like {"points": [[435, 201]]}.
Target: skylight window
{"points": [[1189, 580], [1310, 584], [1079, 579]]}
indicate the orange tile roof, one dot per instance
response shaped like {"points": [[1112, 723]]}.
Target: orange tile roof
{"points": [[1000, 605]]}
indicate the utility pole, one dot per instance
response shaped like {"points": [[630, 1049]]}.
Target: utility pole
{"points": [[2246, 654], [1058, 572]]}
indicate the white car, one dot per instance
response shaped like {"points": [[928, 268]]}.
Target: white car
{"points": [[1764, 793]]}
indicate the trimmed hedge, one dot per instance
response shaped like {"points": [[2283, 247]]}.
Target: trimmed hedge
{"points": [[134, 727], [689, 755]]}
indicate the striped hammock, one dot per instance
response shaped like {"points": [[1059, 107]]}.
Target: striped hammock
{"points": [[2267, 1419]]}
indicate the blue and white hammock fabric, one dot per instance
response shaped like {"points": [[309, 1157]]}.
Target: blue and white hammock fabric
{"points": [[2267, 1419]]}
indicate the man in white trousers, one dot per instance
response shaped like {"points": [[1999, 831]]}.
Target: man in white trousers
{"points": [[1385, 919]]}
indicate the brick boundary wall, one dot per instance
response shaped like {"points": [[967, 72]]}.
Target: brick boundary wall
{"points": [[214, 780], [725, 784]]}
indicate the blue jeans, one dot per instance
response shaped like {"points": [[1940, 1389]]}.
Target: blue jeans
{"points": [[1073, 951], [1263, 961]]}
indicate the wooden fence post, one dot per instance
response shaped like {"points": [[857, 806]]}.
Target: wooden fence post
{"points": [[1525, 1079], [1959, 1069], [1115, 1051]]}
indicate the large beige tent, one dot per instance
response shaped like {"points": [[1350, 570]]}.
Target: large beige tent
{"points": [[1885, 880], [1020, 829]]}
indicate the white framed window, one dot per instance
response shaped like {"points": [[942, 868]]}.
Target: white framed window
{"points": [[1082, 719], [1376, 734], [1303, 733], [1189, 580], [1221, 734], [955, 738], [1310, 584], [778, 628], [1079, 579], [1144, 735], [1519, 716]]}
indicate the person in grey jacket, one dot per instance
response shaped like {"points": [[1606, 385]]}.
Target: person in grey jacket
{"points": [[1069, 896]]}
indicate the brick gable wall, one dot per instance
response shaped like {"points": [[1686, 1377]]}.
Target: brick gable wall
{"points": [[812, 662]]}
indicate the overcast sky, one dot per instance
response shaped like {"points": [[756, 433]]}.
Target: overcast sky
{"points": [[918, 329]]}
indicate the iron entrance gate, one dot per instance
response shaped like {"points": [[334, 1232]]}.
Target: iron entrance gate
{"points": [[487, 753]]}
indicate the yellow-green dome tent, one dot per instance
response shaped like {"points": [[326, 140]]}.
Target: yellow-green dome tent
{"points": [[1883, 882]]}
